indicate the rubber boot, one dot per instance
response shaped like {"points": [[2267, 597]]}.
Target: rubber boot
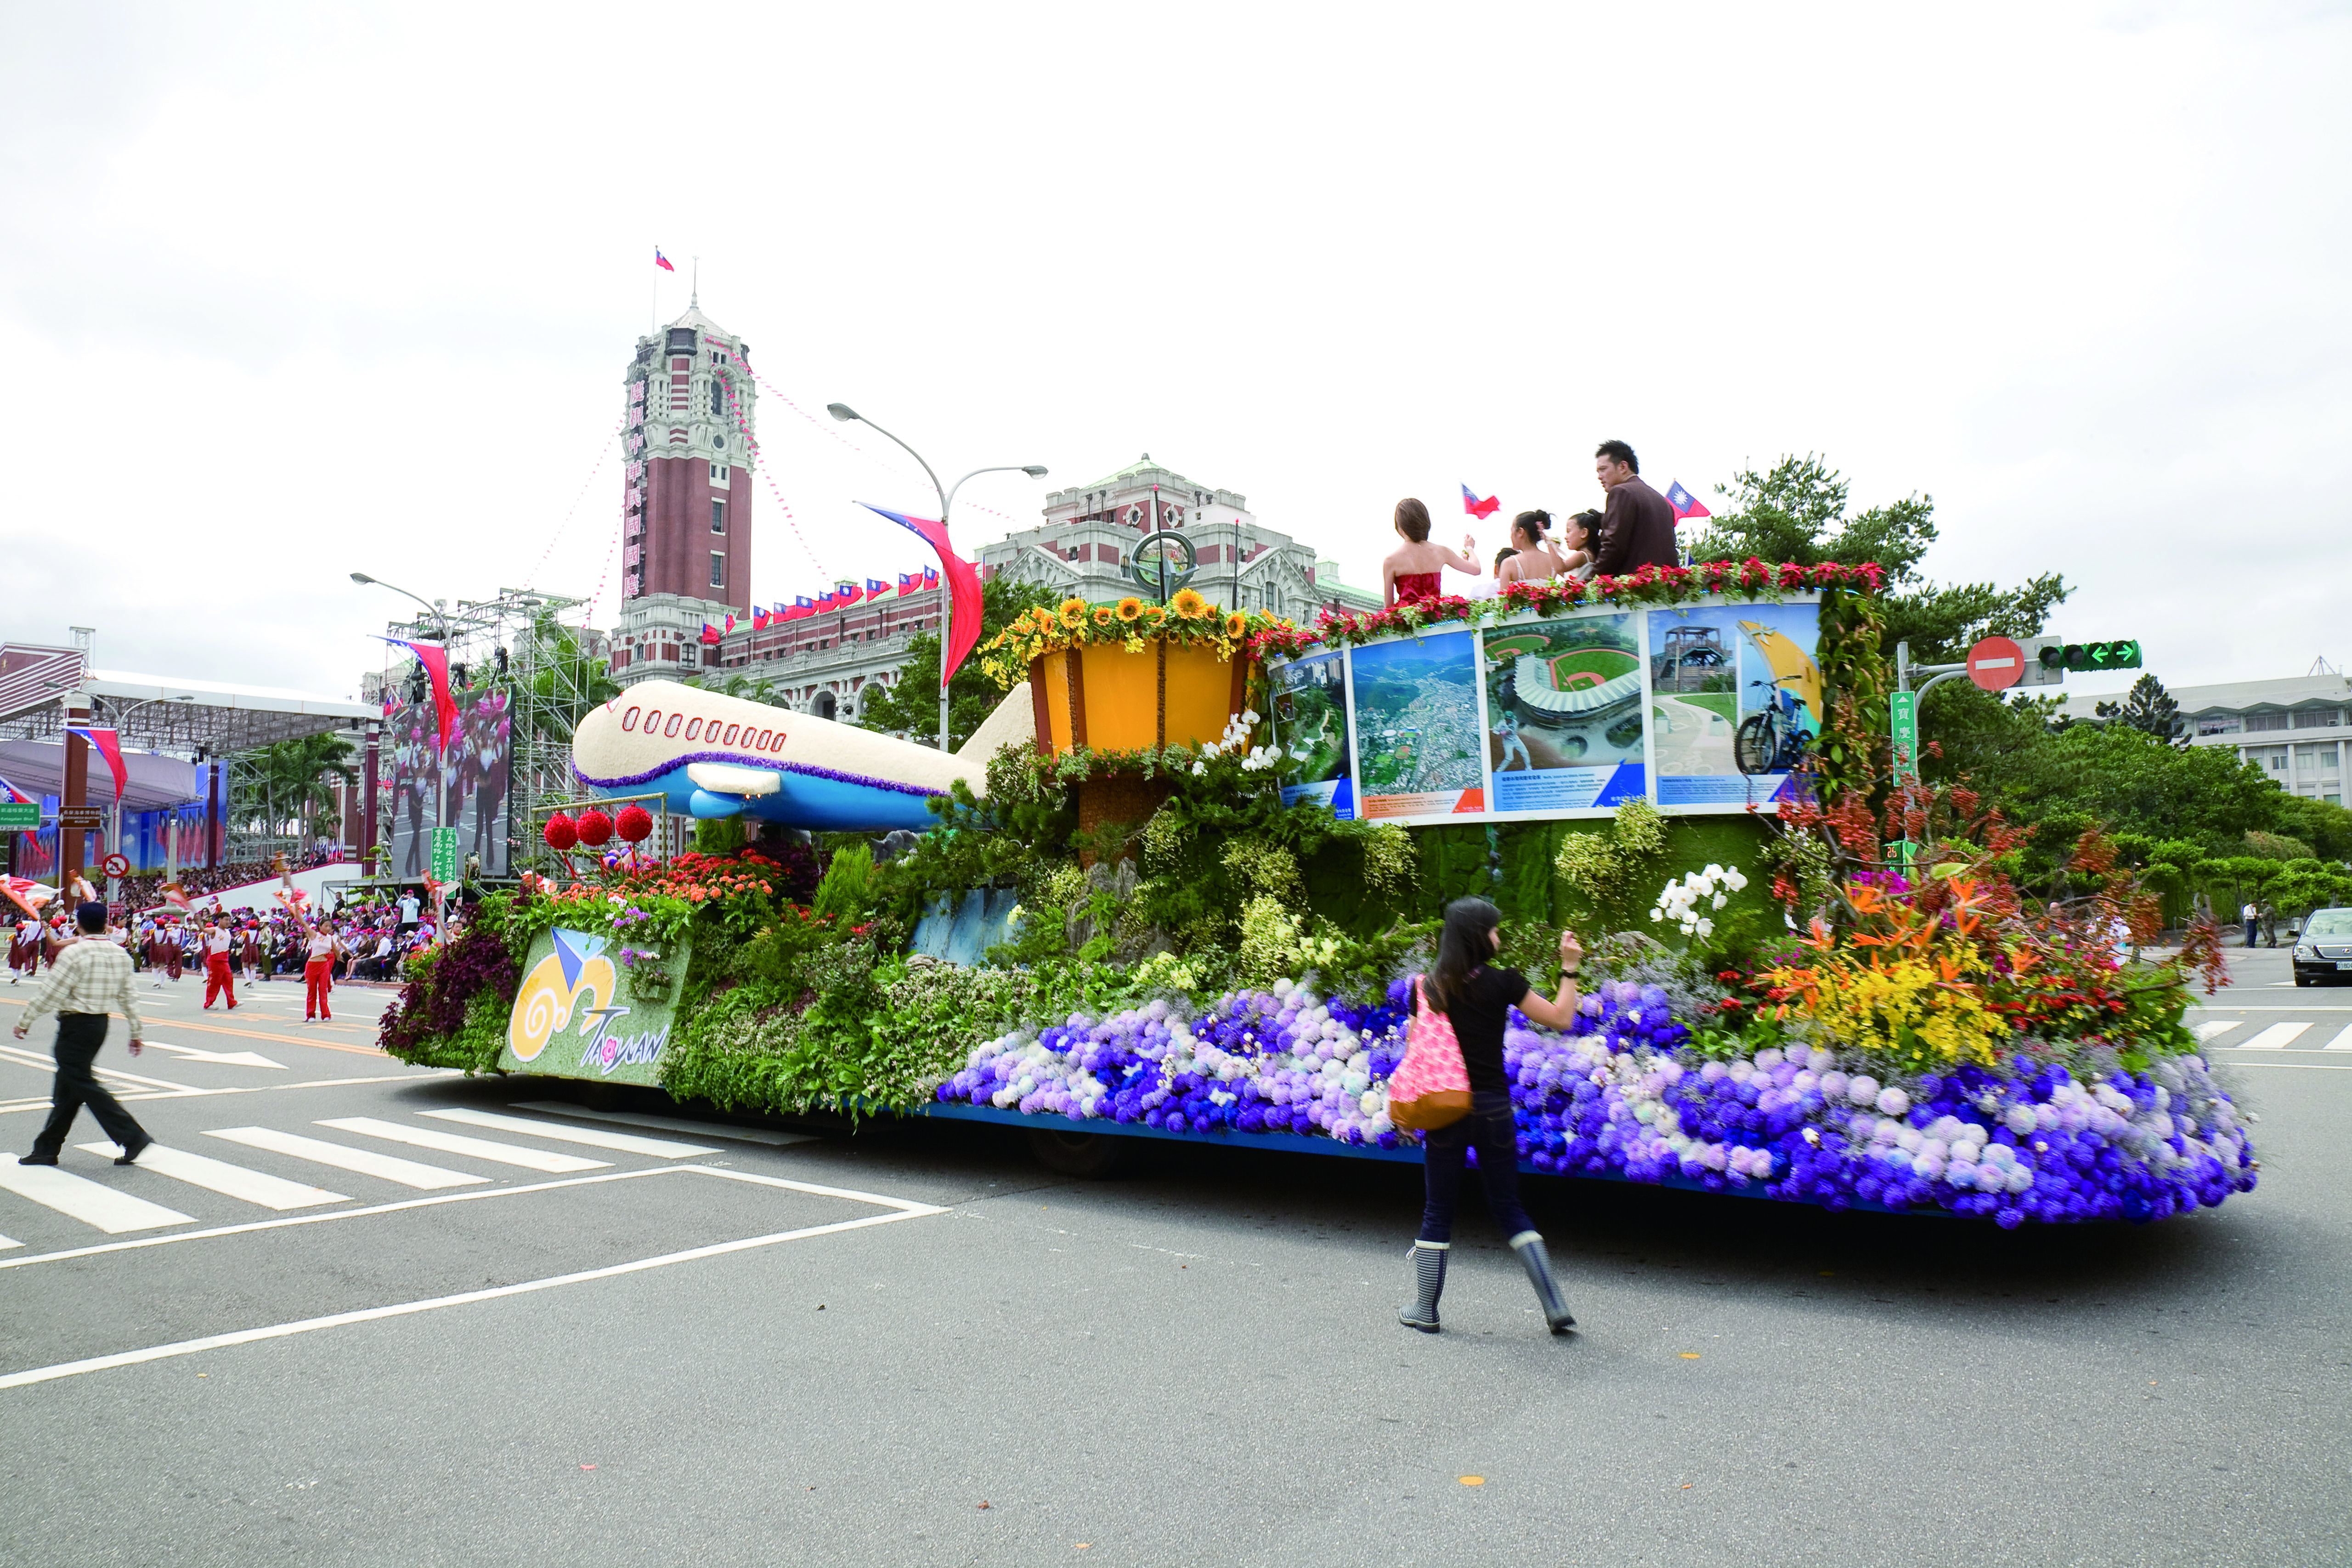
{"points": [[1530, 1249], [1429, 1274]]}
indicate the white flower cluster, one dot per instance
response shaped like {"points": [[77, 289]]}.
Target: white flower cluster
{"points": [[1684, 902], [1235, 741]]}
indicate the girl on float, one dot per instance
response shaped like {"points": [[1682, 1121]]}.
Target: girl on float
{"points": [[1581, 544], [1533, 559], [1477, 997], [1414, 569]]}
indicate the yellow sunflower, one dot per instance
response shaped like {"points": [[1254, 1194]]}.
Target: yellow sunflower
{"points": [[1130, 609], [1102, 615], [1154, 617], [1074, 613], [1189, 604], [1236, 625]]}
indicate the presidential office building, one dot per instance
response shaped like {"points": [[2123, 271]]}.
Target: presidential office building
{"points": [[831, 665], [2294, 728]]}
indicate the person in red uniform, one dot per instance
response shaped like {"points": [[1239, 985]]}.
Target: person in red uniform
{"points": [[217, 978], [320, 948], [1638, 529]]}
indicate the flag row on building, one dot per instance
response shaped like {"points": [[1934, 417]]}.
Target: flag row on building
{"points": [[841, 597]]}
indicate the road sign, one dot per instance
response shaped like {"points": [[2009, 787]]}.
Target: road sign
{"points": [[444, 854], [20, 816], [116, 866], [1996, 663], [87, 818], [1902, 716], [2121, 654]]}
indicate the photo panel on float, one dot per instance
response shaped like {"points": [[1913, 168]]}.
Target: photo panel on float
{"points": [[1310, 698], [1415, 712], [1564, 720], [1735, 702]]}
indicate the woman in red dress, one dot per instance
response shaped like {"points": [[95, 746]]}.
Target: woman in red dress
{"points": [[1414, 569]]}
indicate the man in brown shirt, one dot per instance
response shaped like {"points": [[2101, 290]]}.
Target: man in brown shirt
{"points": [[1638, 529]]}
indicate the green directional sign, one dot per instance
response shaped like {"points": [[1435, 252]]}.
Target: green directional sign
{"points": [[20, 816], [1903, 722], [444, 854], [2121, 654]]}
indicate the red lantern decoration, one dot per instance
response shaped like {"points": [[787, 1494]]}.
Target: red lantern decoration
{"points": [[636, 824], [561, 833], [595, 828]]}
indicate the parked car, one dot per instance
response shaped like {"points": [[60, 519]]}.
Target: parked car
{"points": [[2322, 949]]}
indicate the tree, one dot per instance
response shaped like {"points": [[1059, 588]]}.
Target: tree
{"points": [[2150, 710], [286, 774], [753, 687], [566, 682], [910, 704]]}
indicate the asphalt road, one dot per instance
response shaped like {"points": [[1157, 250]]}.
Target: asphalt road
{"points": [[913, 1345]]}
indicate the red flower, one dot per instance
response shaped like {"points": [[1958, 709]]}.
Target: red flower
{"points": [[595, 828], [560, 832], [636, 824]]}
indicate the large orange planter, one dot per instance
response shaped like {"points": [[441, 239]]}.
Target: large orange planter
{"points": [[1114, 700]]}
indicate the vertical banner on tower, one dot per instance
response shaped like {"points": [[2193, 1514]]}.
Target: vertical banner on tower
{"points": [[1420, 746], [1736, 703], [1310, 725], [1564, 714]]}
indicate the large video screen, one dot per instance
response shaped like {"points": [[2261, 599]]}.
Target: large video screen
{"points": [[476, 774]]}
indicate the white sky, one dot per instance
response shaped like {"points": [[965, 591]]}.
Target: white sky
{"points": [[294, 290]]}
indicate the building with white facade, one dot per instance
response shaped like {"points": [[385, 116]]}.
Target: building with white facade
{"points": [[2294, 728]]}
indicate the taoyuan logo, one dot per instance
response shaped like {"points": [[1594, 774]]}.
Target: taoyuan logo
{"points": [[577, 977]]}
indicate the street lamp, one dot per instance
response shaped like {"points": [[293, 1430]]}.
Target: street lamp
{"points": [[847, 414], [441, 769]]}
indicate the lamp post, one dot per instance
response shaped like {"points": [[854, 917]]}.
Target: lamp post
{"points": [[843, 412], [441, 763], [114, 834]]}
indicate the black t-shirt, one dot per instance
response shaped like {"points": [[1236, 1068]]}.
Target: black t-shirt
{"points": [[1478, 1016]]}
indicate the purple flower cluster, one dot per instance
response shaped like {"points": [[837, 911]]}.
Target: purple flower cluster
{"points": [[1619, 1095]]}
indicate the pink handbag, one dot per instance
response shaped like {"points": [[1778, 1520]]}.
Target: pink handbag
{"points": [[1431, 1088]]}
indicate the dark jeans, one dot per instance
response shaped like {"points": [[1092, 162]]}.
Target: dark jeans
{"points": [[1488, 1126], [78, 1037]]}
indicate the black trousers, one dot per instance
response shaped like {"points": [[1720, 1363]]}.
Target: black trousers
{"points": [[78, 1037]]}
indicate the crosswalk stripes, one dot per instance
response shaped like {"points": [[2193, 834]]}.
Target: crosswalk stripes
{"points": [[2277, 1038], [366, 1162], [668, 1123], [77, 1198], [220, 1176], [2342, 1042], [2207, 1031], [627, 1143], [456, 1143]]}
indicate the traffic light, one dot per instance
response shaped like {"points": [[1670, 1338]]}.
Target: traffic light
{"points": [[2040, 668], [2056, 658]]}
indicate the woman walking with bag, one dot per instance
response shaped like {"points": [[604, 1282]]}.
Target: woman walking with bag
{"points": [[1462, 1004]]}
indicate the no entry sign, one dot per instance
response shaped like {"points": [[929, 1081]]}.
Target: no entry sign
{"points": [[1995, 664]]}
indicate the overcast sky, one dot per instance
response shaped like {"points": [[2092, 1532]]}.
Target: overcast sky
{"points": [[291, 290]]}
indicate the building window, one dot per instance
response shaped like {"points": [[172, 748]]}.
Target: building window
{"points": [[717, 570], [717, 518], [718, 474], [2317, 718], [2258, 722], [2273, 758], [2219, 724]]}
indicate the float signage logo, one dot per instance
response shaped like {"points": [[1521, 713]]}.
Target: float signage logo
{"points": [[574, 1017]]}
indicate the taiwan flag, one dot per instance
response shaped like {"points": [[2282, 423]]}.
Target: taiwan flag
{"points": [[662, 261], [758, 620], [963, 586], [1475, 507], [908, 582], [10, 795], [802, 608], [435, 661], [709, 633], [1686, 504], [874, 590], [107, 745]]}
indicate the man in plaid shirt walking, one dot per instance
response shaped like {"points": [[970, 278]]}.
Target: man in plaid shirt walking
{"points": [[86, 980]]}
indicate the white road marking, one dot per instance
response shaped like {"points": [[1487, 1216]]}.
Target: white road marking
{"points": [[456, 1143], [224, 1058], [220, 1176], [2275, 1038], [2219, 1026], [366, 1162], [43, 1103], [43, 1063], [627, 1143], [668, 1123], [5, 1243], [903, 1210], [77, 1198], [2342, 1042]]}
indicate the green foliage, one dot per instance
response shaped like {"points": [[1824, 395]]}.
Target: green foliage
{"points": [[1614, 872], [717, 835], [2275, 845], [910, 704], [2150, 710], [845, 893]]}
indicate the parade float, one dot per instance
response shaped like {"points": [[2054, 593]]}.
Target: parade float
{"points": [[1177, 885]]}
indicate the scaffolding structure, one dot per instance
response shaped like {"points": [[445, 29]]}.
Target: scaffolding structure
{"points": [[552, 674]]}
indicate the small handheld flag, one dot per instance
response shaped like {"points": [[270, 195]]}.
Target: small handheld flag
{"points": [[662, 261], [1475, 507], [1686, 504]]}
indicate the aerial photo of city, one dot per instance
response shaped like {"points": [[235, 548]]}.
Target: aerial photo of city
{"points": [[1417, 715], [1310, 716]]}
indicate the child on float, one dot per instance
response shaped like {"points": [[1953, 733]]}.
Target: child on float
{"points": [[1477, 996]]}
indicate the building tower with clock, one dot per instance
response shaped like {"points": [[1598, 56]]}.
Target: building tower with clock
{"points": [[685, 501]]}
